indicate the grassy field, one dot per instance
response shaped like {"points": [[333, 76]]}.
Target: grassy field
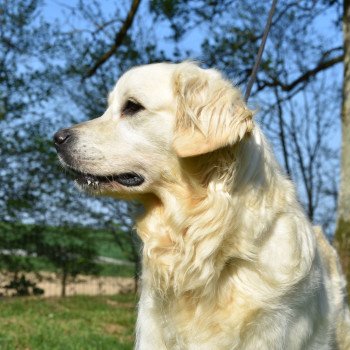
{"points": [[39, 264], [73, 323]]}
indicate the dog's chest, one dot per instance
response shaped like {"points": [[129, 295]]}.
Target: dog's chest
{"points": [[238, 325], [189, 323]]}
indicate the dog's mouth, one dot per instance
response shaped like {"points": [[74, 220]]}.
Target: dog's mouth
{"points": [[91, 181]]}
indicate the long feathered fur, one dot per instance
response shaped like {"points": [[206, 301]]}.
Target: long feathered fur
{"points": [[230, 259]]}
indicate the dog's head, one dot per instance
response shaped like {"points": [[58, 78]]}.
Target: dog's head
{"points": [[157, 114]]}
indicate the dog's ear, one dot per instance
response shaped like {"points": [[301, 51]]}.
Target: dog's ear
{"points": [[211, 113]]}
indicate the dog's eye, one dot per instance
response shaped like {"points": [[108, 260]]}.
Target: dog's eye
{"points": [[131, 108]]}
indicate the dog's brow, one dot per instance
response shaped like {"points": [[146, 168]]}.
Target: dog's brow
{"points": [[110, 98]]}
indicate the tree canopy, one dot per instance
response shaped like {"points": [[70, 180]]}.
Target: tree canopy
{"points": [[57, 69]]}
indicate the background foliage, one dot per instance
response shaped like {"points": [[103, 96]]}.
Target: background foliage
{"points": [[59, 61]]}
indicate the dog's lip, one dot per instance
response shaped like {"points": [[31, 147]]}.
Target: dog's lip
{"points": [[128, 179]]}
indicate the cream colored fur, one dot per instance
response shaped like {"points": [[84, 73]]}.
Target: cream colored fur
{"points": [[230, 261]]}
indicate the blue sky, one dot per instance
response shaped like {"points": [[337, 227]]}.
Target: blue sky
{"points": [[323, 27]]}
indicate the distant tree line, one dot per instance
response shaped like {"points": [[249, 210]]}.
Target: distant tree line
{"points": [[55, 73], [68, 251]]}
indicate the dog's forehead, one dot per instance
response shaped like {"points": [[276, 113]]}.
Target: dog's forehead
{"points": [[151, 83]]}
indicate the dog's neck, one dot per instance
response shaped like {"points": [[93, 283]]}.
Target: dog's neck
{"points": [[196, 227]]}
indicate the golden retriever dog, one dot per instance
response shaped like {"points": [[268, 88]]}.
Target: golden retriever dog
{"points": [[230, 260]]}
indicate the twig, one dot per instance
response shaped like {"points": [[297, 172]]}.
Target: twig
{"points": [[117, 41], [260, 52]]}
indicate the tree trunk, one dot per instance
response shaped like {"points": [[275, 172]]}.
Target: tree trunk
{"points": [[342, 234], [64, 283]]}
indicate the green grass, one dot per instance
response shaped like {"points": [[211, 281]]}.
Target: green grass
{"points": [[116, 270], [72, 323], [40, 264]]}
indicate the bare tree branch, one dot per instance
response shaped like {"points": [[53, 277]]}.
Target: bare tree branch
{"points": [[303, 78], [282, 132], [119, 37]]}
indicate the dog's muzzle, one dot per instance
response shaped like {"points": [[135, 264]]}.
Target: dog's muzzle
{"points": [[64, 140]]}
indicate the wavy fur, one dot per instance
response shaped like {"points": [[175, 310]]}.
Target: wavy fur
{"points": [[230, 261]]}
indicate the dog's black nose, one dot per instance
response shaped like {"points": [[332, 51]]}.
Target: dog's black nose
{"points": [[61, 137]]}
